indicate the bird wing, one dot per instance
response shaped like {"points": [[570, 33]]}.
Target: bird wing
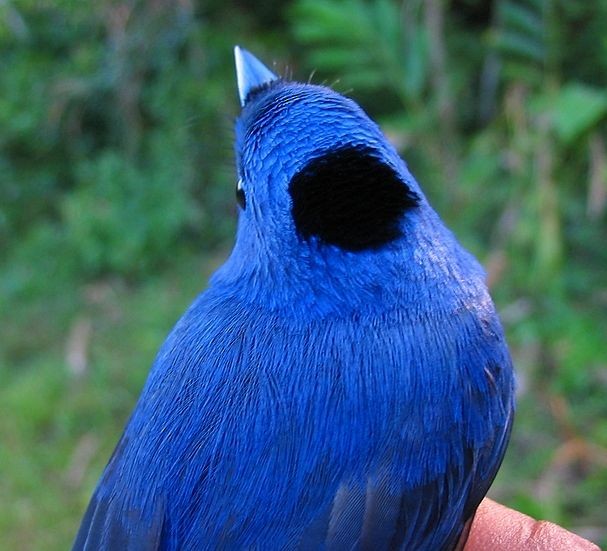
{"points": [[375, 516], [107, 525], [103, 528]]}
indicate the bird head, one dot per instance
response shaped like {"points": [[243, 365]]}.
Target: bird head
{"points": [[330, 217]]}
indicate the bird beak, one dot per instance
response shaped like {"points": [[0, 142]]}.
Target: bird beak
{"points": [[250, 73]]}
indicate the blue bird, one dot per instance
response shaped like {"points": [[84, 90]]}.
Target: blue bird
{"points": [[342, 384]]}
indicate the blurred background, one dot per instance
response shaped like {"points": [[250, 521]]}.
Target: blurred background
{"points": [[117, 202]]}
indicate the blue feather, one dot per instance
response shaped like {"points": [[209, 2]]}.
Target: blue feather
{"points": [[315, 396]]}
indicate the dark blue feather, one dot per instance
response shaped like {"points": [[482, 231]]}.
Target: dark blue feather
{"points": [[315, 396]]}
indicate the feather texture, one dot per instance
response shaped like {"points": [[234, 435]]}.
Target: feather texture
{"points": [[315, 397]]}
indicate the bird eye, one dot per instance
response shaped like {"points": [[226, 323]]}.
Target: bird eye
{"points": [[350, 198], [240, 196]]}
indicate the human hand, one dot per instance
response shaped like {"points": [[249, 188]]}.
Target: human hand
{"points": [[498, 528]]}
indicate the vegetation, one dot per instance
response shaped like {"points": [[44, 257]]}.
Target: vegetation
{"points": [[116, 203]]}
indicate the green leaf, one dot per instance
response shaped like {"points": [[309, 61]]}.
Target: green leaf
{"points": [[522, 18], [577, 109], [514, 43]]}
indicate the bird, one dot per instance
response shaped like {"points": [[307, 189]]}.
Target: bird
{"points": [[343, 383]]}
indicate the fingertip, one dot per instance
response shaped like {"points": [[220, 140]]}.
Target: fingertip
{"points": [[499, 528]]}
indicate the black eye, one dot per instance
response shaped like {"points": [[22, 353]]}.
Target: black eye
{"points": [[350, 198], [240, 196]]}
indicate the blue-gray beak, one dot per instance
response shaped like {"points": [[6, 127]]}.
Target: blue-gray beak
{"points": [[250, 73]]}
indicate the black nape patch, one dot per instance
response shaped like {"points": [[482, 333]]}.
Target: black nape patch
{"points": [[350, 198]]}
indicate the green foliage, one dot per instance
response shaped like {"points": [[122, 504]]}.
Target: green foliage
{"points": [[577, 110], [116, 164], [103, 115], [123, 219], [368, 36], [520, 37]]}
